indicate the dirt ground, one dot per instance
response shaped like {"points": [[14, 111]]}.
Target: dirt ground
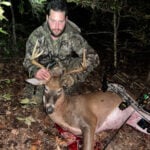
{"points": [[27, 127]]}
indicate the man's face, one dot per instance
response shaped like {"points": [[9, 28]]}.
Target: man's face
{"points": [[56, 21]]}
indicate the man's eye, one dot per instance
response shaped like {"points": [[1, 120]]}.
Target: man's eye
{"points": [[62, 21]]}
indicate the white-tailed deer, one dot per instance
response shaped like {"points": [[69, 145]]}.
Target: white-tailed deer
{"points": [[86, 114]]}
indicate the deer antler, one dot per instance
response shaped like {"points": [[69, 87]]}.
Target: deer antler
{"points": [[36, 54], [83, 65]]}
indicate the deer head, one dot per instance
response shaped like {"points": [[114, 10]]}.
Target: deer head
{"points": [[53, 89]]}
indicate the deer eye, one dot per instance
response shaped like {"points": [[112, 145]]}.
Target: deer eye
{"points": [[59, 91]]}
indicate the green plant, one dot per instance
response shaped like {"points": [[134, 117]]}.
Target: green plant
{"points": [[27, 101], [37, 6], [27, 120], [6, 97], [2, 17]]}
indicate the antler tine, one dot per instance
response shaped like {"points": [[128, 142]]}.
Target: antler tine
{"points": [[83, 65], [36, 54]]}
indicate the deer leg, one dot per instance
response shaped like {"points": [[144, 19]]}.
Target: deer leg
{"points": [[88, 138], [88, 126]]}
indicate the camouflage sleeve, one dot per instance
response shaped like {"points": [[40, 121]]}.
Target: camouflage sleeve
{"points": [[92, 58], [33, 38]]}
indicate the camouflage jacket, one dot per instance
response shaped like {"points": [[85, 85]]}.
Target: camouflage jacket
{"points": [[67, 50]]}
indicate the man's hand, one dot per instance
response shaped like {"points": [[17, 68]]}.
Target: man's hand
{"points": [[43, 74]]}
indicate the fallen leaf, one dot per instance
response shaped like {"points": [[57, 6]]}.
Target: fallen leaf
{"points": [[15, 131], [8, 112], [6, 97], [29, 120], [27, 101], [2, 126], [26, 120]]}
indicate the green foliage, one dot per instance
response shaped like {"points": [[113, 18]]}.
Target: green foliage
{"points": [[99, 4], [109, 5], [2, 10], [84, 3], [37, 6], [21, 7], [2, 17], [7, 81], [2, 31]]}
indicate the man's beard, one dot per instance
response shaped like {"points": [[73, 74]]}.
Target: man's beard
{"points": [[56, 35]]}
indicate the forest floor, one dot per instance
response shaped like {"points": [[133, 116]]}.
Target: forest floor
{"points": [[27, 127]]}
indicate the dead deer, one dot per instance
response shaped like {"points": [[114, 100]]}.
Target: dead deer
{"points": [[85, 114]]}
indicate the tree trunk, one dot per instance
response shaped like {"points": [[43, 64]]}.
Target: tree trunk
{"points": [[115, 36], [14, 43]]}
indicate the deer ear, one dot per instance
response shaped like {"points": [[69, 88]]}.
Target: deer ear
{"points": [[35, 81]]}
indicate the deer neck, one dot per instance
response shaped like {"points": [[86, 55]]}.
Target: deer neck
{"points": [[62, 101]]}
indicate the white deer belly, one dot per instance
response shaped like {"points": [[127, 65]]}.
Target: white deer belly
{"points": [[115, 119]]}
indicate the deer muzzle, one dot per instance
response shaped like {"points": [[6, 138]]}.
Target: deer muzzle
{"points": [[50, 109]]}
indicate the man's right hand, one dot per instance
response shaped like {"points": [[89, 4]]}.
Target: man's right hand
{"points": [[43, 74]]}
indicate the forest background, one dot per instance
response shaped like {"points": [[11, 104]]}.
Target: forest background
{"points": [[118, 27]]}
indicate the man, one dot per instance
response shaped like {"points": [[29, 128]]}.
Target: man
{"points": [[61, 43]]}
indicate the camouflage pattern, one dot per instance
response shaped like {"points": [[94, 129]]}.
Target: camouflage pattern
{"points": [[67, 50]]}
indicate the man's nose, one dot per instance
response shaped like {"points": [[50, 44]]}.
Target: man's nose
{"points": [[57, 25]]}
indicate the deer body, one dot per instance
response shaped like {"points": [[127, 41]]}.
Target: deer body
{"points": [[93, 109], [84, 114]]}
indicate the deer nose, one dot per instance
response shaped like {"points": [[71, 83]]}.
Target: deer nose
{"points": [[49, 110]]}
